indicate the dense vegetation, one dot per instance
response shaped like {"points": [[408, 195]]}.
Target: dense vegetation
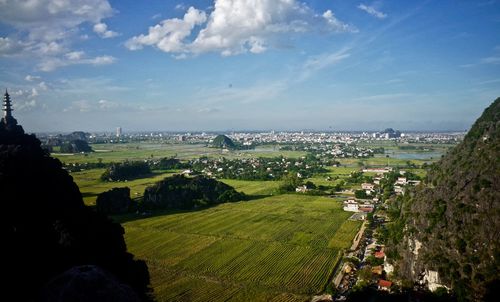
{"points": [[167, 163], [115, 201], [456, 217], [258, 168], [179, 192], [126, 170], [47, 230], [75, 146]]}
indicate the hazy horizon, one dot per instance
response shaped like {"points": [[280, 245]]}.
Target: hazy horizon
{"points": [[94, 65]]}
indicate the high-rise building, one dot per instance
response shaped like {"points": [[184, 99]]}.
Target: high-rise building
{"points": [[118, 131]]}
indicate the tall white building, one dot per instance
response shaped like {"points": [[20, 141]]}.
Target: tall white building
{"points": [[119, 132]]}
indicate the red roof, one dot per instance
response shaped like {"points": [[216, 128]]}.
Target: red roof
{"points": [[384, 283], [380, 254]]}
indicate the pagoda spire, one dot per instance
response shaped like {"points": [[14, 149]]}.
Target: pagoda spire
{"points": [[8, 122], [7, 107]]}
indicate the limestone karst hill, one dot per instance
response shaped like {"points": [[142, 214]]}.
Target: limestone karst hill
{"points": [[456, 217], [47, 230]]}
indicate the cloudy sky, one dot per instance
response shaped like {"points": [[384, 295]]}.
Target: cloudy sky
{"points": [[249, 64]]}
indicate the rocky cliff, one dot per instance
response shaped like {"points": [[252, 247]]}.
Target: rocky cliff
{"points": [[452, 232]]}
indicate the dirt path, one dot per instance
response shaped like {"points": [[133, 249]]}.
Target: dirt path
{"points": [[358, 237]]}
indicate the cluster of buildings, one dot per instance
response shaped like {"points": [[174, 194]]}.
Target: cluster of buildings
{"points": [[271, 137]]}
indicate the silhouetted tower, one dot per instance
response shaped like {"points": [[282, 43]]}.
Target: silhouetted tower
{"points": [[8, 122], [7, 107]]}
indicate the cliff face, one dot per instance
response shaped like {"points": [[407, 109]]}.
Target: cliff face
{"points": [[46, 229], [456, 217]]}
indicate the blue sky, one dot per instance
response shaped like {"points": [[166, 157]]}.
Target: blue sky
{"points": [[249, 64]]}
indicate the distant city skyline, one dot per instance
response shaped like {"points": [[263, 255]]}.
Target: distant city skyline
{"points": [[96, 65]]}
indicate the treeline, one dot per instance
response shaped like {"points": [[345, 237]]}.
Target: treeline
{"points": [[166, 163], [126, 171]]}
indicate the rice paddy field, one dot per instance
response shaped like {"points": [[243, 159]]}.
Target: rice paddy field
{"points": [[147, 150], [277, 248]]}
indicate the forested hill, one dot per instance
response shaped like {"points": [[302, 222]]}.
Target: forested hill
{"points": [[456, 217], [222, 141]]}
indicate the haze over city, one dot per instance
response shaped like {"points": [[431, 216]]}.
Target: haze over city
{"points": [[220, 65]]}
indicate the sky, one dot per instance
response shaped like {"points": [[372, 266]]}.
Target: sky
{"points": [[201, 65]]}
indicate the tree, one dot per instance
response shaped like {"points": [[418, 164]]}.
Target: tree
{"points": [[361, 194], [289, 182], [126, 170], [310, 185], [114, 201]]}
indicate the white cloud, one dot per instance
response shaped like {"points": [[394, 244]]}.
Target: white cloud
{"points": [[169, 35], [74, 58], [45, 29], [180, 6], [75, 55], [107, 105], [43, 86], [50, 20], [372, 11], [31, 78], [81, 106], [101, 60], [317, 63], [96, 106], [336, 24], [237, 26], [10, 46], [101, 29], [26, 106], [491, 60], [34, 92]]}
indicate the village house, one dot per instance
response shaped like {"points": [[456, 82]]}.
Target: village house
{"points": [[401, 181], [351, 205], [365, 208], [367, 186], [378, 170], [384, 285], [301, 189], [377, 270], [398, 190]]}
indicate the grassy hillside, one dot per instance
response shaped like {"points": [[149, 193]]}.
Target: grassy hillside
{"points": [[281, 248]]}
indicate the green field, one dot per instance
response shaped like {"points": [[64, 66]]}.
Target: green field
{"points": [[145, 150], [281, 248]]}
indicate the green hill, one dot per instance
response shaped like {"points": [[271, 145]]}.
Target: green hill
{"points": [[456, 217], [222, 141]]}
